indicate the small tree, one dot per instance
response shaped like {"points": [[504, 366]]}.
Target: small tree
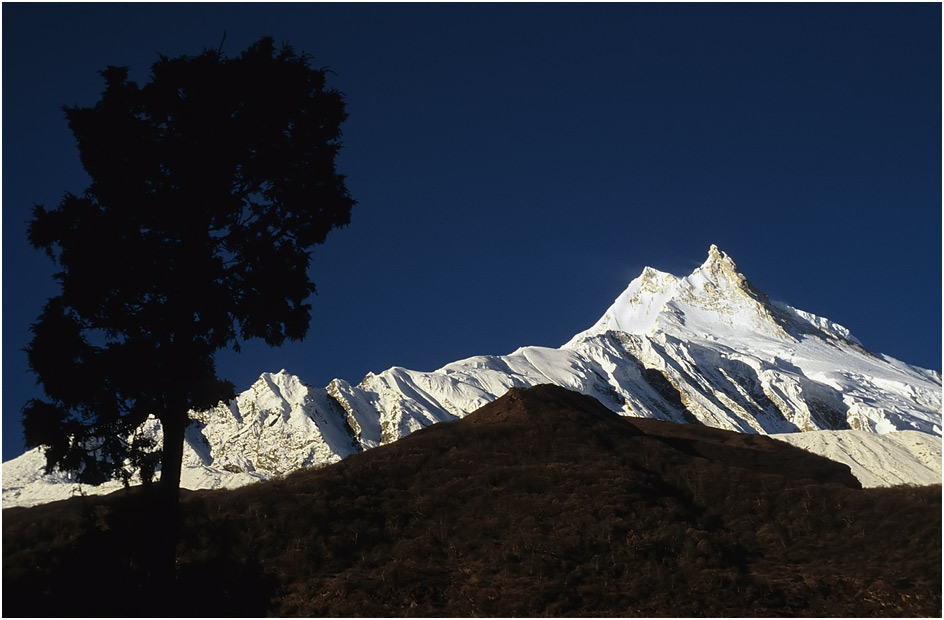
{"points": [[210, 186]]}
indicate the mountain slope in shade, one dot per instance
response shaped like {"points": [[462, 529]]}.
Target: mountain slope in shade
{"points": [[708, 348], [541, 503]]}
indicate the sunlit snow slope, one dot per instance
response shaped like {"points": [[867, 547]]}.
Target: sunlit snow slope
{"points": [[707, 348]]}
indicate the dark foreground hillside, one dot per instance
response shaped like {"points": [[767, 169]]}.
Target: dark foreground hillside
{"points": [[543, 503]]}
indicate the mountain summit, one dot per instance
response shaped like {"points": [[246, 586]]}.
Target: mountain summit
{"points": [[708, 348], [716, 297], [715, 302]]}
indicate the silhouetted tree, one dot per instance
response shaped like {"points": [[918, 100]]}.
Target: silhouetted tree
{"points": [[210, 185]]}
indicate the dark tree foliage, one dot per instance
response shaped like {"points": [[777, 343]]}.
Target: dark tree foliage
{"points": [[210, 185]]}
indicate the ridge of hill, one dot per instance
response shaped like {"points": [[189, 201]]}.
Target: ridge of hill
{"points": [[709, 348], [541, 503]]}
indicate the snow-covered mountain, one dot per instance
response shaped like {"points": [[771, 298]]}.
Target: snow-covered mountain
{"points": [[706, 348]]}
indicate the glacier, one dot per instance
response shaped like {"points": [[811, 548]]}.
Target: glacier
{"points": [[706, 348]]}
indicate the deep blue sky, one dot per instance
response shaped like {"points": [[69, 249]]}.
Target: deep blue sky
{"points": [[516, 166]]}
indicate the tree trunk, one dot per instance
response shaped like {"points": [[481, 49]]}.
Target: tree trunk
{"points": [[174, 425]]}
